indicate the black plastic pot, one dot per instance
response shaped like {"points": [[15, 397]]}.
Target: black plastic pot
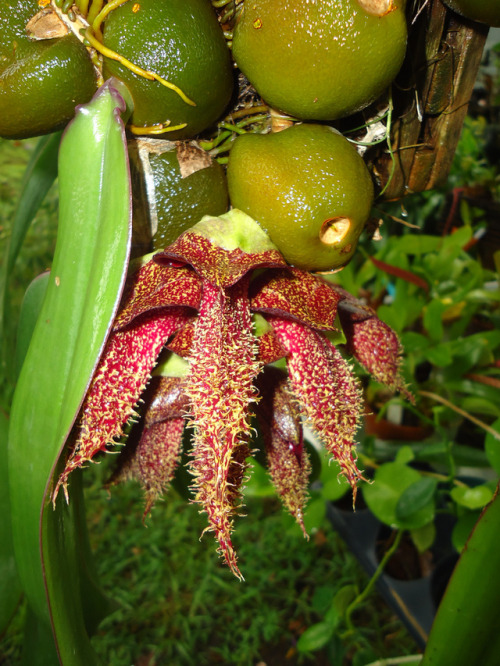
{"points": [[414, 601]]}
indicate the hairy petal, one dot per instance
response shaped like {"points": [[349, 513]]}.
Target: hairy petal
{"points": [[326, 389], [288, 462], [220, 388], [158, 455], [118, 382], [374, 344]]}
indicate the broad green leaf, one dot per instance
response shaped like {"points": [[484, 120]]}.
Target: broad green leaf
{"points": [[315, 637], [472, 498], [405, 454], [30, 312], [314, 514], [492, 447], [440, 355], [335, 485], [418, 244], [482, 406], [415, 497], [383, 495], [423, 537], [82, 296], [10, 584], [38, 179], [462, 529], [465, 630], [433, 321]]}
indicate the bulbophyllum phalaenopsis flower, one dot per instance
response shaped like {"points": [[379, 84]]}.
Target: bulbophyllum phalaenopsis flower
{"points": [[225, 307]]}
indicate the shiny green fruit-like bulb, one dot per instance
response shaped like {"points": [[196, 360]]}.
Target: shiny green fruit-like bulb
{"points": [[180, 41], [41, 81], [309, 189], [320, 59], [176, 184], [485, 11]]}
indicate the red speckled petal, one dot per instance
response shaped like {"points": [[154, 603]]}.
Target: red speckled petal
{"points": [[327, 391], [296, 294], [220, 389], [287, 458], [118, 382], [158, 454], [374, 344], [155, 287], [214, 263], [270, 348]]}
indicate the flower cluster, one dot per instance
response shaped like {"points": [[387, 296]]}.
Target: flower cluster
{"points": [[225, 306]]}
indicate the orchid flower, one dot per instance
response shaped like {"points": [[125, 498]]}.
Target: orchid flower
{"points": [[224, 305]]}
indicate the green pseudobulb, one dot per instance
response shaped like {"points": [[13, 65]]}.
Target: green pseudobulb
{"points": [[320, 60], [180, 183], [181, 41], [41, 81], [308, 188], [486, 11]]}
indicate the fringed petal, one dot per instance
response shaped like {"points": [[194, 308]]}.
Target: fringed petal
{"points": [[374, 344], [118, 382], [326, 389], [281, 427], [296, 294], [220, 389], [158, 455]]}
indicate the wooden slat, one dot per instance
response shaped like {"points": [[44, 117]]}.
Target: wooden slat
{"points": [[431, 97]]}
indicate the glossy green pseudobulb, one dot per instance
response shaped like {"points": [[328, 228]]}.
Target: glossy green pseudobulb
{"points": [[486, 11], [320, 60], [181, 41], [308, 188], [174, 185], [183, 201], [41, 81]]}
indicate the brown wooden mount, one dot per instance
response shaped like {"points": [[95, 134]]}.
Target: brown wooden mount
{"points": [[430, 97]]}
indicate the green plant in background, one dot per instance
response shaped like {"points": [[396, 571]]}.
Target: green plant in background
{"points": [[225, 291]]}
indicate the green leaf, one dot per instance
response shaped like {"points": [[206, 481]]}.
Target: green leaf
{"points": [[82, 296], [405, 454], [335, 485], [38, 179], [472, 498], [314, 515], [11, 586], [465, 630], [462, 529], [432, 320], [315, 637], [415, 497], [30, 311], [423, 537], [492, 447], [383, 495]]}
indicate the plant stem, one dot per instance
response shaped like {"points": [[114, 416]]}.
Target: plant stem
{"points": [[371, 583], [478, 422], [395, 661]]}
